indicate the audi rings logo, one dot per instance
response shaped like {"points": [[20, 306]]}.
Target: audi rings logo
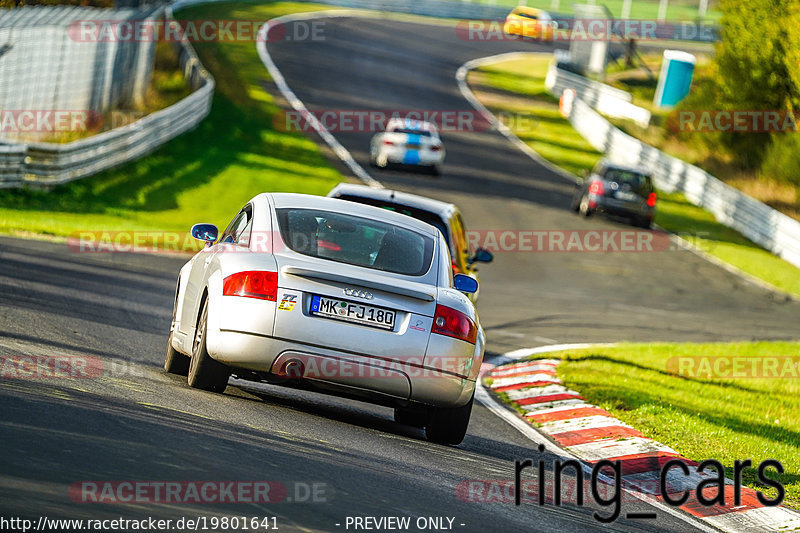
{"points": [[358, 293]]}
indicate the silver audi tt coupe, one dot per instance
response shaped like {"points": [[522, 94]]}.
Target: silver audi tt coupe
{"points": [[338, 297]]}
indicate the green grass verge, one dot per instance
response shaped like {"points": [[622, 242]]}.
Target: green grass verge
{"points": [[543, 128], [724, 419], [517, 87], [203, 175]]}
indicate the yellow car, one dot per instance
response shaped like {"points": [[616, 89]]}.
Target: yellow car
{"points": [[530, 22]]}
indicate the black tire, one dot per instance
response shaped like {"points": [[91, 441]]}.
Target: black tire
{"points": [[434, 170], [174, 361], [642, 222], [448, 425], [411, 416], [204, 372]]}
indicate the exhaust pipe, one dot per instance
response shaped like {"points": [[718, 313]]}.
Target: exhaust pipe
{"points": [[293, 368]]}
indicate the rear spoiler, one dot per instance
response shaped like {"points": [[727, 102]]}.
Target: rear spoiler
{"points": [[411, 292]]}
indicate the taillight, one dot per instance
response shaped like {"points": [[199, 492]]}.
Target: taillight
{"points": [[651, 199], [454, 324], [436, 148], [252, 284], [596, 187], [388, 143]]}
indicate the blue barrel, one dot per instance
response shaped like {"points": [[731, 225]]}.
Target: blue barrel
{"points": [[675, 78]]}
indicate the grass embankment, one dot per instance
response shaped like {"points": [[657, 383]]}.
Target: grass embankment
{"points": [[516, 87], [203, 175], [727, 418]]}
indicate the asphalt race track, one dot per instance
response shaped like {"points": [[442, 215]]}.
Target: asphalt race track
{"points": [[672, 295], [135, 422]]}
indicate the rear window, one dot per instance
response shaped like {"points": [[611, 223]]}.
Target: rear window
{"points": [[356, 241], [634, 179]]}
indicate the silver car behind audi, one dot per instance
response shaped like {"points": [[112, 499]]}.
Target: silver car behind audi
{"points": [[338, 297]]}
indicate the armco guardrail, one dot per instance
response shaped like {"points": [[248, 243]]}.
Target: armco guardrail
{"points": [[605, 98], [12, 159], [588, 90], [757, 221], [44, 164]]}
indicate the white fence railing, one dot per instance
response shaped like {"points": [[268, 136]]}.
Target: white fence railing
{"points": [[605, 98], [755, 220], [44, 164]]}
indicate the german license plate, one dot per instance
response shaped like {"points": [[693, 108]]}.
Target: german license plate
{"points": [[357, 313], [625, 195]]}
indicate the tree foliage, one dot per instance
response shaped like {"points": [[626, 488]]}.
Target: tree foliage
{"points": [[758, 66]]}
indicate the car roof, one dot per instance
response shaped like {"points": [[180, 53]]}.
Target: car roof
{"points": [[527, 10], [309, 201], [619, 166], [410, 124], [443, 209]]}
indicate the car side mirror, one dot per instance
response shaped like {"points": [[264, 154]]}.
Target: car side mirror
{"points": [[464, 283], [482, 255], [205, 232]]}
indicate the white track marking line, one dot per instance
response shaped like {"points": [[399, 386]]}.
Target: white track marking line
{"points": [[341, 152]]}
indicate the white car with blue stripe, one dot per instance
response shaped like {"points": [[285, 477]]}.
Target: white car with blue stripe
{"points": [[408, 142]]}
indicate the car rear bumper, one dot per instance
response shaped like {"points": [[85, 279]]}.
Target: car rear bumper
{"points": [[408, 380], [618, 207], [401, 156]]}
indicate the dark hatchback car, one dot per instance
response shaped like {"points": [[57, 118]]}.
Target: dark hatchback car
{"points": [[617, 190]]}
